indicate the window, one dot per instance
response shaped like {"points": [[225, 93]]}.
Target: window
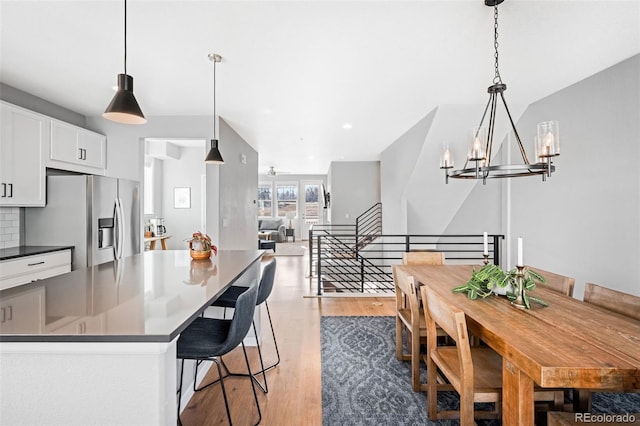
{"points": [[311, 203], [287, 194], [264, 199]]}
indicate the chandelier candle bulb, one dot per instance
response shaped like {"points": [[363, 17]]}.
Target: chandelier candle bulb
{"points": [[520, 261], [446, 158], [476, 149], [549, 139]]}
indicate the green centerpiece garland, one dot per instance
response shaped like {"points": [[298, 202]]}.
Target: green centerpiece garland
{"points": [[491, 279]]}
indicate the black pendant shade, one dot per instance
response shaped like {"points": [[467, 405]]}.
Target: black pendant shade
{"points": [[214, 156], [123, 107]]}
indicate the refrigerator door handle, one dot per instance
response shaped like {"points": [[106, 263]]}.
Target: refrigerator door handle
{"points": [[116, 233], [121, 228]]}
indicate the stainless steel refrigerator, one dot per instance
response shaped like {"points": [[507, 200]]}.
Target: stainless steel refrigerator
{"points": [[99, 216]]}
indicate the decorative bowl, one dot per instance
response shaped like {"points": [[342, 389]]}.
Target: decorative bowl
{"points": [[199, 254]]}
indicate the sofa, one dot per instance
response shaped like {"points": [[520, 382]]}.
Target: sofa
{"points": [[275, 227]]}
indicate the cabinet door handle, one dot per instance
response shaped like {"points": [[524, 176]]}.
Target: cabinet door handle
{"points": [[4, 315], [10, 313], [4, 190], [10, 190], [79, 153], [34, 264], [84, 154]]}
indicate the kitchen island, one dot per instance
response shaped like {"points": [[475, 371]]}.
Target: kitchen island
{"points": [[100, 347]]}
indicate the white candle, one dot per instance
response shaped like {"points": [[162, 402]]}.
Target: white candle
{"points": [[486, 244], [520, 261], [476, 148]]}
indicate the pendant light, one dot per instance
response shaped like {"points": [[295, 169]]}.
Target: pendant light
{"points": [[478, 163], [123, 107], [214, 156]]}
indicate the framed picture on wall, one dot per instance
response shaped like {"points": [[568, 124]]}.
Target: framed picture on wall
{"points": [[181, 198]]}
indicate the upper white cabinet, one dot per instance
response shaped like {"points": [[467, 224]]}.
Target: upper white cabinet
{"points": [[77, 149], [24, 136]]}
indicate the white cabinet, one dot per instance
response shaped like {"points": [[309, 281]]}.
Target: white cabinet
{"points": [[23, 270], [77, 149], [23, 312], [82, 325], [23, 137]]}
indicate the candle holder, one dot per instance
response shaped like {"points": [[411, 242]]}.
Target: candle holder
{"points": [[519, 300], [486, 258]]}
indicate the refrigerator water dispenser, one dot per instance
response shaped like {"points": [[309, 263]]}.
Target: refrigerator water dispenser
{"points": [[105, 232]]}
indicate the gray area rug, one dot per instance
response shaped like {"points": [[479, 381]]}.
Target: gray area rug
{"points": [[364, 384]]}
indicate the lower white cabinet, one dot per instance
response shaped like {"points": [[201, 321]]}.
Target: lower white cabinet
{"points": [[23, 312], [82, 325], [77, 149], [23, 270]]}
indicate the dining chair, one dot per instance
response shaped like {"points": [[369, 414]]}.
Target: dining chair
{"points": [[208, 339], [612, 300], [423, 258], [474, 372], [556, 282], [228, 300], [409, 317]]}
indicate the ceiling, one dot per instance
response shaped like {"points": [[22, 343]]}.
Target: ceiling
{"points": [[294, 73]]}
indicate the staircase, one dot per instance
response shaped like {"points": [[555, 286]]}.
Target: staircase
{"points": [[358, 258]]}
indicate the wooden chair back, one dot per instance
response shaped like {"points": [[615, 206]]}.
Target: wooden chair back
{"points": [[452, 320], [556, 282], [422, 258], [409, 317], [457, 363], [406, 292], [613, 300]]}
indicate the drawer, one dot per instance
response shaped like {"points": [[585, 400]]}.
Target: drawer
{"points": [[25, 269]]}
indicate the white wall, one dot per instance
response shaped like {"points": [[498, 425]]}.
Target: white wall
{"points": [[237, 191], [185, 172], [397, 163], [354, 187]]}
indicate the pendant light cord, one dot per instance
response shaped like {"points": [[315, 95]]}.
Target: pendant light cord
{"points": [[214, 99], [125, 37], [496, 78]]}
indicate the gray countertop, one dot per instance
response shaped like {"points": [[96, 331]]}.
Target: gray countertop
{"points": [[148, 297], [20, 251]]}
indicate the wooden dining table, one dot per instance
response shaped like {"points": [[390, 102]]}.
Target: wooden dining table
{"points": [[569, 344]]}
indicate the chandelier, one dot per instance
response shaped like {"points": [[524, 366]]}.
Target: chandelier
{"points": [[478, 163]]}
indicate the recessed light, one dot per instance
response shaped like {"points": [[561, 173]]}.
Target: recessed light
{"points": [[311, 157], [347, 126]]}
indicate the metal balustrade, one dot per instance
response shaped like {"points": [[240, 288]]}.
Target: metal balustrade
{"points": [[342, 260]]}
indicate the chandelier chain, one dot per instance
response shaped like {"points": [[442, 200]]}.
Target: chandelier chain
{"points": [[496, 78]]}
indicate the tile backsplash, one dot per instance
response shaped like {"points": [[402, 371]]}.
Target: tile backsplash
{"points": [[9, 227]]}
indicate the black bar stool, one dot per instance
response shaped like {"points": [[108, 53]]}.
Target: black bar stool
{"points": [[208, 339]]}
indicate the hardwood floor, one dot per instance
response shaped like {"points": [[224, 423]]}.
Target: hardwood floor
{"points": [[294, 396]]}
